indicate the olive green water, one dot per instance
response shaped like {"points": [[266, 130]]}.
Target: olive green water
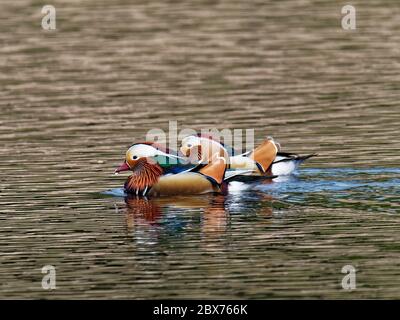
{"points": [[72, 101]]}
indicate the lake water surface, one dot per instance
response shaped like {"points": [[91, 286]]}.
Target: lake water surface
{"points": [[73, 100]]}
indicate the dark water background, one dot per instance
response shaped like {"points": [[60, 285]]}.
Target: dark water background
{"points": [[72, 100]]}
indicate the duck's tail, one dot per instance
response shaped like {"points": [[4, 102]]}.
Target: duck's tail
{"points": [[285, 163]]}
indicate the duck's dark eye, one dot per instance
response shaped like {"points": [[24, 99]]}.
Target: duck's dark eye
{"points": [[134, 157], [189, 145]]}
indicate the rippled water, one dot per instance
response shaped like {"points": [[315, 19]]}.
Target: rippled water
{"points": [[72, 100]]}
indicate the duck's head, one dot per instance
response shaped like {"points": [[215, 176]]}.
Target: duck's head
{"points": [[201, 149], [140, 152], [145, 160]]}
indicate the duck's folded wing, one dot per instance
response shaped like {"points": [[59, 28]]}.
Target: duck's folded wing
{"points": [[173, 164], [259, 159], [246, 176]]}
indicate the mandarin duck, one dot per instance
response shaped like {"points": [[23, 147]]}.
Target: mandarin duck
{"points": [[157, 171], [264, 160]]}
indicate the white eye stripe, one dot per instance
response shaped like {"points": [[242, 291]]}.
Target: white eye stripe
{"points": [[144, 151], [191, 141]]}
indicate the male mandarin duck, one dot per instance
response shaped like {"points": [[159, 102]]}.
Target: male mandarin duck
{"points": [[266, 159], [153, 172]]}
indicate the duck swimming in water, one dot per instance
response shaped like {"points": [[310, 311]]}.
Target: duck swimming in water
{"points": [[266, 159], [153, 172]]}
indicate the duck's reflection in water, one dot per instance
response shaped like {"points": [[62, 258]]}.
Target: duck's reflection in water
{"points": [[206, 217], [215, 216], [141, 211]]}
